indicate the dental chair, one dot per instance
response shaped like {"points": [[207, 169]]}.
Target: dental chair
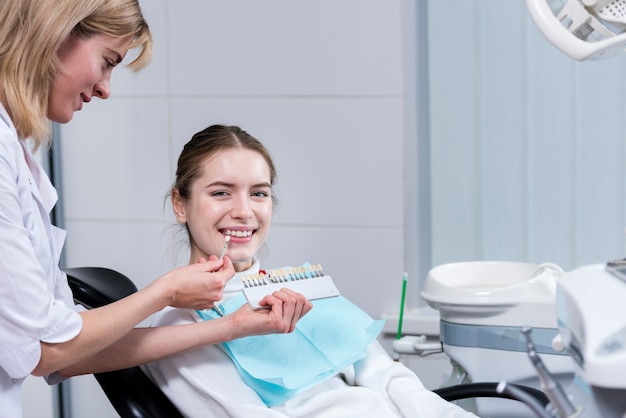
{"points": [[133, 395], [130, 391]]}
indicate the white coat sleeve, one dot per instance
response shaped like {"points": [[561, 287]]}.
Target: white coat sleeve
{"points": [[401, 387], [33, 307]]}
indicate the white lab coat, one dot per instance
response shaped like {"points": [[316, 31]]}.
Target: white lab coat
{"points": [[205, 383], [36, 302]]}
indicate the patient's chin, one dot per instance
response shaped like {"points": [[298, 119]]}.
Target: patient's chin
{"points": [[242, 264]]}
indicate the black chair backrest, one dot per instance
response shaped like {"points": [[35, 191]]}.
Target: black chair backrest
{"points": [[130, 391]]}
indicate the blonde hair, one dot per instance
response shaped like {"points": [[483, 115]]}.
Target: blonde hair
{"points": [[32, 31]]}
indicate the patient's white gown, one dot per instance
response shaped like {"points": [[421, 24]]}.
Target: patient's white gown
{"points": [[206, 383]]}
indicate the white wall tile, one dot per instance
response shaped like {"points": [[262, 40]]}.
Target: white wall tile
{"points": [[116, 160], [365, 263], [279, 47], [137, 249]]}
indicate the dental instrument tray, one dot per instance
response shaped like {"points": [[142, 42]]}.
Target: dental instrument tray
{"points": [[310, 281]]}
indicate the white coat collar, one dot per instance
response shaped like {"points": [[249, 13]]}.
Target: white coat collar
{"points": [[43, 190]]}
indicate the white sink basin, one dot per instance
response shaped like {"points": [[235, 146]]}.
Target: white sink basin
{"points": [[494, 292]]}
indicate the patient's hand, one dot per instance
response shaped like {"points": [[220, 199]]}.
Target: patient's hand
{"points": [[283, 310], [199, 285]]}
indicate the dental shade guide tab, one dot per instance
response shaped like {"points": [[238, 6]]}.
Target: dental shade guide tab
{"points": [[309, 281]]}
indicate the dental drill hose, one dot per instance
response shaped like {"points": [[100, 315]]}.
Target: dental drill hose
{"points": [[525, 394]]}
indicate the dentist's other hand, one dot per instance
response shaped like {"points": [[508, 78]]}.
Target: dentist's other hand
{"points": [[282, 311]]}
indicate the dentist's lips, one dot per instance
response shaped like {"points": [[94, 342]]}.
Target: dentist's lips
{"points": [[83, 99]]}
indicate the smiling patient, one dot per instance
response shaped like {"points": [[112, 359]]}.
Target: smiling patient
{"points": [[223, 188]]}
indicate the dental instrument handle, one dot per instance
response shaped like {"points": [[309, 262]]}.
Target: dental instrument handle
{"points": [[401, 312], [396, 355], [216, 308], [515, 393], [226, 241], [558, 398]]}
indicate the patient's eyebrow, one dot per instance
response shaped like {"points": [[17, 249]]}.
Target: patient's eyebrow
{"points": [[227, 184]]}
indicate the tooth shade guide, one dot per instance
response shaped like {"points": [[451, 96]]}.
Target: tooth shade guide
{"points": [[310, 281], [253, 280], [282, 275]]}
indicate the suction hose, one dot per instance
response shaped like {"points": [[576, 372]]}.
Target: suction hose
{"points": [[533, 398]]}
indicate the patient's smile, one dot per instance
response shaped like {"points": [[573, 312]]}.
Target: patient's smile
{"points": [[239, 234]]}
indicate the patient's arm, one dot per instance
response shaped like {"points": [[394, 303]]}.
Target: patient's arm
{"points": [[401, 387]]}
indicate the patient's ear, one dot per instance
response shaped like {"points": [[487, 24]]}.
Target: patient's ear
{"points": [[178, 205]]}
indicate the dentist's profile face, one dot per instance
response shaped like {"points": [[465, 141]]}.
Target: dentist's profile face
{"points": [[86, 66], [232, 197]]}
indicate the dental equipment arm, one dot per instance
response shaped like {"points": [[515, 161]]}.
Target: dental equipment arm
{"points": [[582, 29], [518, 393]]}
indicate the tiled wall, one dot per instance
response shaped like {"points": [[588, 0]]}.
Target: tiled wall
{"points": [[319, 82]]}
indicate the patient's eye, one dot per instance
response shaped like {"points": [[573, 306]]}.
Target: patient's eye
{"points": [[219, 193]]}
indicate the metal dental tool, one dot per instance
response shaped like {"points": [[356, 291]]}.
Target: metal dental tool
{"points": [[554, 391], [515, 393], [216, 308], [226, 241]]}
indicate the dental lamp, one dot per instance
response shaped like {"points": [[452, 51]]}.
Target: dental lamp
{"points": [[582, 29]]}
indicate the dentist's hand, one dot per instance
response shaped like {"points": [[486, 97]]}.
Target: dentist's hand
{"points": [[283, 309], [199, 285]]}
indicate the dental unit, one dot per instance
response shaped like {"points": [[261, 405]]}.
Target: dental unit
{"points": [[483, 307], [533, 325], [563, 333]]}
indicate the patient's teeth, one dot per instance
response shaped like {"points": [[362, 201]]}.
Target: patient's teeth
{"points": [[239, 234]]}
